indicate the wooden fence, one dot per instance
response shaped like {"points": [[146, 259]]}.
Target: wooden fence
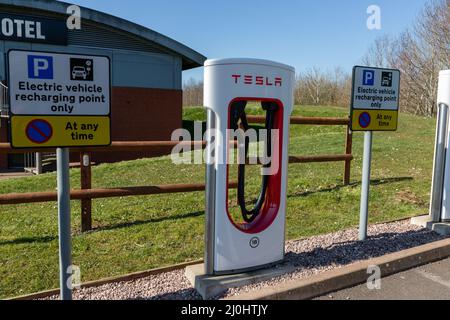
{"points": [[86, 193]]}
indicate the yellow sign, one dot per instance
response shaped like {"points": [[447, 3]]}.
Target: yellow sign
{"points": [[60, 131], [374, 120]]}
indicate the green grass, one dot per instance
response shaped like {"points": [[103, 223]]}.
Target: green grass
{"points": [[137, 233]]}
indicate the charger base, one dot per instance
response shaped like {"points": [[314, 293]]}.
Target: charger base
{"points": [[210, 286]]}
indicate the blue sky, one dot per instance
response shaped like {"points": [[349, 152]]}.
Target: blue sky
{"points": [[301, 33]]}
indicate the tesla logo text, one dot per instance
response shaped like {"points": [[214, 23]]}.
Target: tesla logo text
{"points": [[257, 80]]}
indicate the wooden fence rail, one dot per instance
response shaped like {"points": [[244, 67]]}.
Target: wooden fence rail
{"points": [[122, 146], [86, 193], [317, 121]]}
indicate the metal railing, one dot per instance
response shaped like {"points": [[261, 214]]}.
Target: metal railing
{"points": [[29, 162]]}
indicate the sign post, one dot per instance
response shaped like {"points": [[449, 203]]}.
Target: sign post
{"points": [[365, 185], [374, 107], [59, 100], [65, 245]]}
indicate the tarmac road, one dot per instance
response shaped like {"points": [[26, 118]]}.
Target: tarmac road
{"points": [[429, 282]]}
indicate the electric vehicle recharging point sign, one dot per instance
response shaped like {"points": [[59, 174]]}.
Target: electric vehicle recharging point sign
{"points": [[59, 100], [375, 99]]}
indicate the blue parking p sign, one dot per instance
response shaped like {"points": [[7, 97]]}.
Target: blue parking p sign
{"points": [[40, 67], [368, 77]]}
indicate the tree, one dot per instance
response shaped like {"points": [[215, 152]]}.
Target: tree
{"points": [[315, 87], [381, 53], [419, 53], [193, 93]]}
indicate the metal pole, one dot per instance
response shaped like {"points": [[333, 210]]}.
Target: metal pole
{"points": [[65, 256], [210, 195], [365, 184], [437, 184]]}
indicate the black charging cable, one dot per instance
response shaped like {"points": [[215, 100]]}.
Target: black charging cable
{"points": [[238, 113]]}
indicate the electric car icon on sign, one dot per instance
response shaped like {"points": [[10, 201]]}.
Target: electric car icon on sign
{"points": [[79, 73], [81, 69], [386, 79]]}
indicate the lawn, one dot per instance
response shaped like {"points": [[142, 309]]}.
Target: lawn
{"points": [[138, 233]]}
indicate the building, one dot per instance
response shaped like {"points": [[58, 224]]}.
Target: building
{"points": [[146, 68]]}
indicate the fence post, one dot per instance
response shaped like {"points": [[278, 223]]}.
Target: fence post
{"points": [[38, 161], [348, 150], [86, 183]]}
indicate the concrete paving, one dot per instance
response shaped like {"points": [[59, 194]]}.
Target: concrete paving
{"points": [[443, 228], [429, 282]]}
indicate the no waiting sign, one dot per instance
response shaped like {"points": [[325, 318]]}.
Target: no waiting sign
{"points": [[59, 100], [375, 99]]}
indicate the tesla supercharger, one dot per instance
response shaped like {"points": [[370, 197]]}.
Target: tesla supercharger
{"points": [[444, 103], [256, 238]]}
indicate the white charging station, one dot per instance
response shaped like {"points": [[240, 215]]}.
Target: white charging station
{"points": [[443, 101], [439, 216], [259, 239]]}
